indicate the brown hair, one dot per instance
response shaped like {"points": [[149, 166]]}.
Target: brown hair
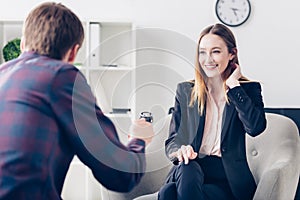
{"points": [[199, 91], [51, 29]]}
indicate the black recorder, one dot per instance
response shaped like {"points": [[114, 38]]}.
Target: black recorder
{"points": [[147, 116]]}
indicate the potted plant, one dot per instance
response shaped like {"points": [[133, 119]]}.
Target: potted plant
{"points": [[12, 49]]}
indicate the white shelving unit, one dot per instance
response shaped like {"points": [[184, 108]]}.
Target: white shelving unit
{"points": [[109, 64], [107, 59]]}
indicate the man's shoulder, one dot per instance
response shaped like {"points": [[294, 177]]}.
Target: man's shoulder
{"points": [[35, 61], [55, 65]]}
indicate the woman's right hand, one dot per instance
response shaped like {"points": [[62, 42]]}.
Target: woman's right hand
{"points": [[185, 153]]}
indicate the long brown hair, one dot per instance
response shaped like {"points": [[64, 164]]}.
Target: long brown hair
{"points": [[199, 91]]}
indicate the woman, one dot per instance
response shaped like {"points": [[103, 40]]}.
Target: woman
{"points": [[211, 116]]}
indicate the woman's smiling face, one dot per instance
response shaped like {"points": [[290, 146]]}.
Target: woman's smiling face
{"points": [[213, 55]]}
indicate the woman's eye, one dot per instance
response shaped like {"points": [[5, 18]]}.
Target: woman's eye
{"points": [[202, 52], [216, 51]]}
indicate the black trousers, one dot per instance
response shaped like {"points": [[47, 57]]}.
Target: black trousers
{"points": [[203, 178]]}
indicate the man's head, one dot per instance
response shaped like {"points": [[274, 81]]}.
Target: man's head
{"points": [[51, 29]]}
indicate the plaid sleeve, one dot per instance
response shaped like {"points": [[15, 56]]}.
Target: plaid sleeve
{"points": [[92, 136]]}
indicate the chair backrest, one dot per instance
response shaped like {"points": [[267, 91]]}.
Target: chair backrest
{"points": [[278, 145]]}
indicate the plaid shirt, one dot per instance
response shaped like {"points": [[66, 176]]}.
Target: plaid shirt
{"points": [[48, 114]]}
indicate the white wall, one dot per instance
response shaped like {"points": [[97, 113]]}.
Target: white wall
{"points": [[268, 42]]}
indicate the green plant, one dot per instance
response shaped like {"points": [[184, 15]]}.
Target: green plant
{"points": [[12, 49]]}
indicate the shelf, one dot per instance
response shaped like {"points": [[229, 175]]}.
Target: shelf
{"points": [[119, 68], [118, 115]]}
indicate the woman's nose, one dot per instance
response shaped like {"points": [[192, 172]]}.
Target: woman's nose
{"points": [[209, 58]]}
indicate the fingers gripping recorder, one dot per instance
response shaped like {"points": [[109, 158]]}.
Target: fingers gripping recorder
{"points": [[142, 129], [147, 116]]}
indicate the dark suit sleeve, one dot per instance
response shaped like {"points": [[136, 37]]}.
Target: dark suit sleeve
{"points": [[177, 130], [93, 137], [248, 102]]}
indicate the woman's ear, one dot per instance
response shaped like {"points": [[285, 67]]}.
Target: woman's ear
{"points": [[233, 55]]}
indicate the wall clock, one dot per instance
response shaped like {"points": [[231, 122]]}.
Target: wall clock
{"points": [[233, 12]]}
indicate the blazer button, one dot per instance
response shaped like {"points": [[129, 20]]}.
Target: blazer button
{"points": [[223, 149]]}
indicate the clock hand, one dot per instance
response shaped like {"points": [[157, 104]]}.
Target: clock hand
{"points": [[234, 11]]}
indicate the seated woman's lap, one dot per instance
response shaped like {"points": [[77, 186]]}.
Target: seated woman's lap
{"points": [[200, 179]]}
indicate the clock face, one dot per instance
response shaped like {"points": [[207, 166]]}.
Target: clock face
{"points": [[233, 12]]}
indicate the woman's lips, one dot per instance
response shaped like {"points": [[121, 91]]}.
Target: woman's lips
{"points": [[211, 67]]}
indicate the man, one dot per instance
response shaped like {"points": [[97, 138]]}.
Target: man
{"points": [[48, 114]]}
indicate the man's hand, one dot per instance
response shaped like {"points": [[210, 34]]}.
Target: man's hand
{"points": [[185, 153], [141, 129]]}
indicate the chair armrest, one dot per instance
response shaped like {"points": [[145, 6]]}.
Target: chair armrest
{"points": [[279, 182]]}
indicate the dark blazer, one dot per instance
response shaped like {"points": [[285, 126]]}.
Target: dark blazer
{"points": [[243, 114]]}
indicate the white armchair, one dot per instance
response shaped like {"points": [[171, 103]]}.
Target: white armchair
{"points": [[273, 156], [274, 159]]}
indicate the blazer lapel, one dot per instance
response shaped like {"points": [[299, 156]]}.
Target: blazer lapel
{"points": [[199, 122], [227, 116]]}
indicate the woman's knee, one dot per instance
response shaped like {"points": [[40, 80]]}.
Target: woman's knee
{"points": [[190, 181], [191, 172]]}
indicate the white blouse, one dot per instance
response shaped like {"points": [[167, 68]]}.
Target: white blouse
{"points": [[211, 141]]}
